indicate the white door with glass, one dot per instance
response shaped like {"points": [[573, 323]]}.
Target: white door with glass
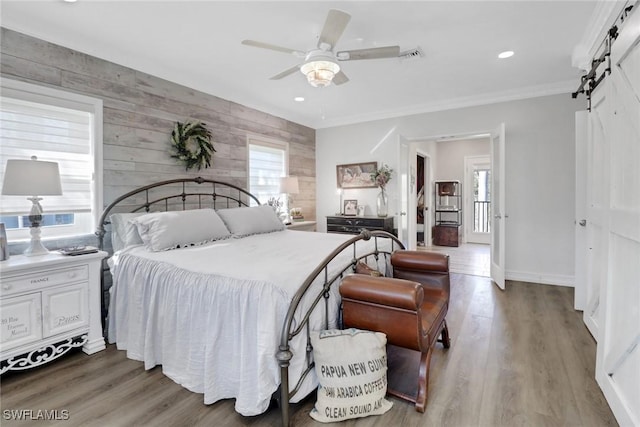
{"points": [[478, 199]]}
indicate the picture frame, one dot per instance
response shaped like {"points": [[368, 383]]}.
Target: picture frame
{"points": [[356, 175], [350, 208]]}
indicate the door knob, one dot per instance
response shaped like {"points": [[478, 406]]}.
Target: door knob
{"points": [[497, 216], [583, 222], [403, 213]]}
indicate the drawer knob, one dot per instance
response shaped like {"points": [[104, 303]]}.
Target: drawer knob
{"points": [[7, 287], [73, 274]]}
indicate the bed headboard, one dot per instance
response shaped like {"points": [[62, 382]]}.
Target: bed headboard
{"points": [[176, 194]]}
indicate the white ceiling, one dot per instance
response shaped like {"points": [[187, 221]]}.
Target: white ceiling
{"points": [[197, 44]]}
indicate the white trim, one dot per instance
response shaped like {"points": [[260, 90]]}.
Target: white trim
{"points": [[543, 279], [259, 140], [603, 17], [619, 406], [63, 98], [566, 87], [266, 142]]}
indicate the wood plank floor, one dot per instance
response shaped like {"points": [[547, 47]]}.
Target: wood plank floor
{"points": [[521, 357], [468, 258]]}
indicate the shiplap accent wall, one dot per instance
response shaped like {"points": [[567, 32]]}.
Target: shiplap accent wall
{"points": [[140, 111]]}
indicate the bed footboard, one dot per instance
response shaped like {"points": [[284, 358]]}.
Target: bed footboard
{"points": [[291, 328]]}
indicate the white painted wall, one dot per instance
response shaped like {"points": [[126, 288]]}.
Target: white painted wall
{"points": [[451, 154], [540, 137]]}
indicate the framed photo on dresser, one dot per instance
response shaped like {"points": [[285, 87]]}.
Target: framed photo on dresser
{"points": [[350, 208]]}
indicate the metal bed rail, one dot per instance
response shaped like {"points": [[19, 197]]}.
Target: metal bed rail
{"points": [[292, 327]]}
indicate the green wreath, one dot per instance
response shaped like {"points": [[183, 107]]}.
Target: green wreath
{"points": [[191, 142]]}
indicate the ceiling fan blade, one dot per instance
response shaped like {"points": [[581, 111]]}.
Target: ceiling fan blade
{"points": [[340, 78], [334, 26], [285, 73], [372, 53], [269, 46]]}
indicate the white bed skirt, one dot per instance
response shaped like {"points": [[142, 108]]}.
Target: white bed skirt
{"points": [[212, 315]]}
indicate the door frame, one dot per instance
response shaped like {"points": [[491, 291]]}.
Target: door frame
{"points": [[404, 170]]}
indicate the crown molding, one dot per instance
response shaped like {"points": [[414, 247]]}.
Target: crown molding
{"points": [[602, 18], [471, 101]]}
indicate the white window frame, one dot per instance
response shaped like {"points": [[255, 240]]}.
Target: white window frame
{"points": [[84, 223], [270, 143]]}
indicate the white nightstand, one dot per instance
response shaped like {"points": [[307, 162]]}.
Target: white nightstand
{"points": [[302, 226], [48, 305]]}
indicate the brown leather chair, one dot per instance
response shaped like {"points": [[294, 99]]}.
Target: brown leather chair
{"points": [[409, 308]]}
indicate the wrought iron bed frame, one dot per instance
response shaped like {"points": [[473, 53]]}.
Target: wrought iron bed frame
{"points": [[289, 327]]}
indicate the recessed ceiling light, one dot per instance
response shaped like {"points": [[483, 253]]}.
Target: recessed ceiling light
{"points": [[298, 99], [70, 1], [505, 54]]}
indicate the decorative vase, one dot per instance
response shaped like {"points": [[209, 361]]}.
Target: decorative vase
{"points": [[382, 204]]}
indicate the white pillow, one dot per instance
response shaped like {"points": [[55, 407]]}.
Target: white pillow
{"points": [[123, 232], [351, 366], [162, 231], [253, 220]]}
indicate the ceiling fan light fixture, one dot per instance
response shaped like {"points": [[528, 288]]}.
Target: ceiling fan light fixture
{"points": [[320, 73]]}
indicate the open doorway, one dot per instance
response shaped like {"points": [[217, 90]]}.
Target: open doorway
{"points": [[465, 160], [423, 184]]}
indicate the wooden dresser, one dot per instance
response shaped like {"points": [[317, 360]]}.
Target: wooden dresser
{"points": [[355, 224]]}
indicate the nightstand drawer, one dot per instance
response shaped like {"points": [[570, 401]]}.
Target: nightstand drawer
{"points": [[25, 283]]}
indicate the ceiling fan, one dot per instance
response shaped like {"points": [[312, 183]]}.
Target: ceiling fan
{"points": [[320, 65]]}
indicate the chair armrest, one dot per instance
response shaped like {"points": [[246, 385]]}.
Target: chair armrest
{"points": [[383, 290], [420, 261]]}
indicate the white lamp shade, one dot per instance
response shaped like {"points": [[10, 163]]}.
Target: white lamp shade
{"points": [[289, 185], [31, 178]]}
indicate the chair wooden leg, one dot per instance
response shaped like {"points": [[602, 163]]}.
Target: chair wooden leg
{"points": [[446, 342], [423, 381]]}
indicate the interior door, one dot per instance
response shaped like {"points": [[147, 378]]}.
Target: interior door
{"points": [[618, 353], [403, 191], [498, 201], [428, 198], [581, 246], [597, 200], [407, 203]]}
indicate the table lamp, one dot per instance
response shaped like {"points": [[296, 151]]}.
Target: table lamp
{"points": [[32, 178], [289, 186]]}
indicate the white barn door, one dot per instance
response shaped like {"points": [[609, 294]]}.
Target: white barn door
{"points": [[616, 234], [597, 201]]}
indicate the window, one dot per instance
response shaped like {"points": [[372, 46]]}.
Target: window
{"points": [[268, 162], [54, 126]]}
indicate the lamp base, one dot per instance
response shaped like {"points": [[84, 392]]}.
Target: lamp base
{"points": [[35, 246]]}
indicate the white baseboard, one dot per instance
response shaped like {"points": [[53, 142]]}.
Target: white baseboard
{"points": [[544, 279]]}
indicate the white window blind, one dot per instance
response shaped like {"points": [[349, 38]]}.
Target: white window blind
{"points": [[267, 164], [51, 133]]}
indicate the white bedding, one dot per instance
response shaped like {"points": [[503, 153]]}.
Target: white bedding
{"points": [[212, 315]]}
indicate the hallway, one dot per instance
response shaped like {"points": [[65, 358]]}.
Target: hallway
{"points": [[468, 258]]}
